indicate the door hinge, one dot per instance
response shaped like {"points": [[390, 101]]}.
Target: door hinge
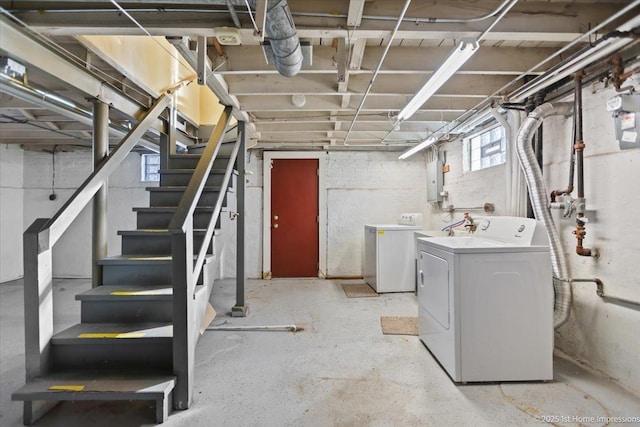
{"points": [[318, 172], [318, 219]]}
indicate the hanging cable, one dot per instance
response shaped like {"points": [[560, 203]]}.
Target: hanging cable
{"points": [[53, 195], [139, 25]]}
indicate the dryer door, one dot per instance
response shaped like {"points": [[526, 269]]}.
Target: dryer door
{"points": [[433, 292]]}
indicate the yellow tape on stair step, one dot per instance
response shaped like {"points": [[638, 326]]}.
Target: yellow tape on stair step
{"points": [[112, 335], [66, 388], [130, 293]]}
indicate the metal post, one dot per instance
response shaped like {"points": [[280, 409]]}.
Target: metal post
{"points": [[164, 151], [100, 152], [38, 299], [168, 144], [38, 312], [240, 309], [184, 340]]}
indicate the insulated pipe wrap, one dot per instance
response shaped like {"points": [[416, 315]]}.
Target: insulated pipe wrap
{"points": [[283, 37], [538, 193]]}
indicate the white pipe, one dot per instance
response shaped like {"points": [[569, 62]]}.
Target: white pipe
{"points": [[375, 73], [508, 140], [538, 193], [275, 328]]}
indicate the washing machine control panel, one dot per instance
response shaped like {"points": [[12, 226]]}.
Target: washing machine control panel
{"points": [[510, 229]]}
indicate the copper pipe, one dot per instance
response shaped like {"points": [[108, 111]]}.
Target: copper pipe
{"points": [[556, 193], [580, 231], [618, 74]]}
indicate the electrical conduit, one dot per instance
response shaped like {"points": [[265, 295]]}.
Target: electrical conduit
{"points": [[538, 194]]}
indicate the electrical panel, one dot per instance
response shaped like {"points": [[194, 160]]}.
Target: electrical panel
{"points": [[435, 179], [626, 113]]}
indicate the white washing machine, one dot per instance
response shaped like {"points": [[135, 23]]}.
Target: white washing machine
{"points": [[389, 263], [486, 301]]}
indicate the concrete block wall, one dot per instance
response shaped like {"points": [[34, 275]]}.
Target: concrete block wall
{"points": [[361, 188], [11, 212], [367, 188], [602, 334], [72, 253]]}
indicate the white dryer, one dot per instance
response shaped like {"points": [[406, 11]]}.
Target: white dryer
{"points": [[486, 301]]}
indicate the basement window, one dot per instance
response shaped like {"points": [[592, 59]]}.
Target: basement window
{"points": [[484, 149], [150, 167]]}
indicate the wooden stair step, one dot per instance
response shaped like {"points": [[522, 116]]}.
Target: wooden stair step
{"points": [[136, 345], [119, 292], [144, 269], [128, 303], [100, 386], [142, 259], [190, 171], [182, 188], [114, 333]]}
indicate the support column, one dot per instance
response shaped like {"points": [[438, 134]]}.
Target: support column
{"points": [[240, 309], [168, 145], [100, 152]]}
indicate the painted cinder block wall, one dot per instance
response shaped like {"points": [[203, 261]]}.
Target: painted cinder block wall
{"points": [[32, 177], [11, 211], [604, 335], [361, 188]]}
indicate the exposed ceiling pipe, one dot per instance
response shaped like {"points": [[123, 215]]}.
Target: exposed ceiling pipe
{"points": [[377, 70], [234, 3], [281, 31], [470, 114], [64, 107]]}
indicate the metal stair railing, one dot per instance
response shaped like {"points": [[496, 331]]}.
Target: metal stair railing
{"points": [[186, 270], [42, 235]]}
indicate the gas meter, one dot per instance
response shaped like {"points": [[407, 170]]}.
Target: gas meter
{"points": [[626, 113]]}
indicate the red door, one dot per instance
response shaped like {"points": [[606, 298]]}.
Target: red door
{"points": [[294, 218]]}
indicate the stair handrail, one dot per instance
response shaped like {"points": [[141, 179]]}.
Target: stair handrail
{"points": [[41, 236], [59, 223], [185, 271]]}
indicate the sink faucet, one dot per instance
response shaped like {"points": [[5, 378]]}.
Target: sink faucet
{"points": [[469, 224]]}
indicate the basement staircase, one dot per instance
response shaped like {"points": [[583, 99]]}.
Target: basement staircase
{"points": [[124, 346]]}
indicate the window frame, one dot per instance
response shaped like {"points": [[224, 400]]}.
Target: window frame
{"points": [[467, 149], [145, 165]]}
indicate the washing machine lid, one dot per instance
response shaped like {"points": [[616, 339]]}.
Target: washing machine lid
{"points": [[391, 227], [472, 244]]}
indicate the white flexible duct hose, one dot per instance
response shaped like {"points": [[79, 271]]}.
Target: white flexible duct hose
{"points": [[538, 194]]}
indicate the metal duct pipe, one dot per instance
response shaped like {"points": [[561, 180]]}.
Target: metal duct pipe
{"points": [[61, 106], [281, 31], [538, 194]]}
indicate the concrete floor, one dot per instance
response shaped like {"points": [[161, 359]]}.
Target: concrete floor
{"points": [[340, 371]]}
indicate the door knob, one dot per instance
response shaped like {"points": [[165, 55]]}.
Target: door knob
{"points": [[275, 225], [275, 217]]}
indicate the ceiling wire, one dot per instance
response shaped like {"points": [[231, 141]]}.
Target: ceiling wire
{"points": [[255, 26], [375, 73], [139, 25]]}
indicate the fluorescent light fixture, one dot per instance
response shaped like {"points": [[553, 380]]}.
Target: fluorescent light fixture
{"points": [[456, 59], [421, 146]]}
